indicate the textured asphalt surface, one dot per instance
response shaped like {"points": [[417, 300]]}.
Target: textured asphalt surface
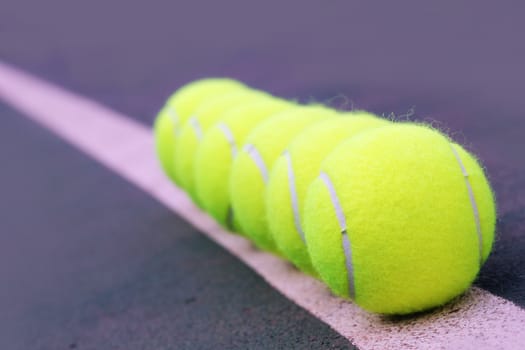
{"points": [[88, 261], [123, 271]]}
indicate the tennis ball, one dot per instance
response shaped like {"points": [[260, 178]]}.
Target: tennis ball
{"points": [[163, 129], [400, 219], [179, 107], [252, 165], [293, 172], [194, 129], [217, 151]]}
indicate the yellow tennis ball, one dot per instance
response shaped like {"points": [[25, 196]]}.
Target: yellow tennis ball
{"points": [[217, 151], [164, 134], [179, 108], [253, 164], [400, 219], [195, 128], [293, 172]]}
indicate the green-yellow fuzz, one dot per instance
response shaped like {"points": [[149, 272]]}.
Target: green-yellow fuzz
{"points": [[218, 149], [254, 162], [178, 109], [418, 213], [293, 172], [195, 128]]}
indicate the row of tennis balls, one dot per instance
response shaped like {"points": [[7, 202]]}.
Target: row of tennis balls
{"points": [[393, 215]]}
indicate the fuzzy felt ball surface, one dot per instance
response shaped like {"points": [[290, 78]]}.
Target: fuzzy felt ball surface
{"points": [[193, 131], [253, 164], [400, 219], [219, 148], [178, 109], [293, 172]]}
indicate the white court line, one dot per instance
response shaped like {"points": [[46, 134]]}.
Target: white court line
{"points": [[479, 320]]}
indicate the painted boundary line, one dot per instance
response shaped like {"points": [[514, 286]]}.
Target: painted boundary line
{"points": [[478, 320]]}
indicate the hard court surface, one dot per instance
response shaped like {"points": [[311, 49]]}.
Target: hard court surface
{"points": [[88, 260]]}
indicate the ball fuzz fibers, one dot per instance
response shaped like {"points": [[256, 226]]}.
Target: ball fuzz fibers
{"points": [[252, 166], [219, 148], [178, 109], [293, 172], [400, 219]]}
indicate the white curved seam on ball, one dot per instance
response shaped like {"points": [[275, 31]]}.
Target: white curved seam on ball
{"points": [[177, 126], [293, 196], [347, 247], [196, 127], [472, 202], [172, 114], [229, 137], [258, 160]]}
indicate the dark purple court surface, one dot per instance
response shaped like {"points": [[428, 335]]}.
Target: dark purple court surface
{"points": [[89, 261], [127, 280]]}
